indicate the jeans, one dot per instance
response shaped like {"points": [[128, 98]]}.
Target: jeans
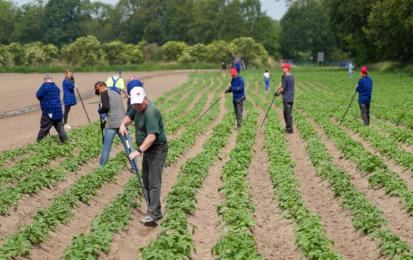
{"points": [[107, 145], [152, 164], [239, 110], [267, 84], [46, 123], [288, 118], [365, 113]]}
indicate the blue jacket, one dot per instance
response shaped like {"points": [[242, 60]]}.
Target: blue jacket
{"points": [[69, 96], [365, 88], [237, 89], [49, 96], [288, 86]]}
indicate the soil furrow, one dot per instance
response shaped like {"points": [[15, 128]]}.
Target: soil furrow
{"points": [[29, 205], [403, 172], [320, 199], [205, 219], [136, 235], [400, 222], [274, 234], [60, 239]]}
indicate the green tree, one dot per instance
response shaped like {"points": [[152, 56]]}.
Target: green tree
{"points": [[252, 53], [173, 49], [305, 29], [8, 14], [207, 20], [64, 20], [29, 23], [390, 29]]}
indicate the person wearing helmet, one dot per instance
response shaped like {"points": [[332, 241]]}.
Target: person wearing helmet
{"points": [[238, 94], [365, 88]]}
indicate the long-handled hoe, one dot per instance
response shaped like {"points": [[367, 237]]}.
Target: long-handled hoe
{"points": [[139, 177]]}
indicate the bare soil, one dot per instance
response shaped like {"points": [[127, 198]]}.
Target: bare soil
{"points": [[126, 243], [206, 222], [19, 91], [400, 222], [319, 198], [274, 234]]}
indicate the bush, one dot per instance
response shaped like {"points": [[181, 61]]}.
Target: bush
{"points": [[18, 53], [6, 57], [85, 51], [219, 51], [150, 52], [134, 53], [199, 52], [251, 51], [187, 58], [34, 54], [173, 49]]}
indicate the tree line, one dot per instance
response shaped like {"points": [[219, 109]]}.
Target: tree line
{"points": [[366, 30], [61, 22]]}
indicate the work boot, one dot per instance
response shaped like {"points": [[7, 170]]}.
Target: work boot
{"points": [[148, 220], [67, 127]]}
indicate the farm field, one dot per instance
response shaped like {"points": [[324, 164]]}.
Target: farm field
{"points": [[325, 192]]}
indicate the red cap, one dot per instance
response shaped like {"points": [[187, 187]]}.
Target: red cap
{"points": [[364, 70], [286, 66], [233, 72]]}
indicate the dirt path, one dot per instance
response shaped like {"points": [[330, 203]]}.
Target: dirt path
{"points": [[400, 222], [403, 172], [274, 234], [207, 229], [126, 243], [319, 199], [61, 238], [21, 130]]}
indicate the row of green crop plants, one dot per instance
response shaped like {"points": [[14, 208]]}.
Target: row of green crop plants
{"points": [[117, 214], [61, 208], [366, 217], [380, 176], [383, 136], [33, 173]]}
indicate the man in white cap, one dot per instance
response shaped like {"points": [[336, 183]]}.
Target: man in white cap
{"points": [[152, 145]]}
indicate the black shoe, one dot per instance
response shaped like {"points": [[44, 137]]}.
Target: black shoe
{"points": [[289, 131], [158, 216], [148, 220]]}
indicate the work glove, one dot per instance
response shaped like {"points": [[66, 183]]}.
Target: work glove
{"points": [[228, 90]]}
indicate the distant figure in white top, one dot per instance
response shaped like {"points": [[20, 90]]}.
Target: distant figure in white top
{"points": [[267, 77], [350, 70]]}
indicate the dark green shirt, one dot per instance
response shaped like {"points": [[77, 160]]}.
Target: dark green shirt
{"points": [[148, 122]]}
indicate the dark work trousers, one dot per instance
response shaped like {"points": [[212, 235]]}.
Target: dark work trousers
{"points": [[365, 113], [239, 110], [288, 117], [152, 164], [46, 123], [66, 115]]}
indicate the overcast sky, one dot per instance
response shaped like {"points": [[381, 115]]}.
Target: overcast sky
{"points": [[273, 8]]}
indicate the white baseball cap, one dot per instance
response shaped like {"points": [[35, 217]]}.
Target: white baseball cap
{"points": [[137, 95]]}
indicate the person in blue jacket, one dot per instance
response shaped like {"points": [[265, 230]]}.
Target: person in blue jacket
{"points": [[238, 95], [133, 82], [69, 96], [49, 96], [365, 88]]}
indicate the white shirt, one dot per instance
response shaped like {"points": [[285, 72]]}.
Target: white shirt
{"points": [[266, 75]]}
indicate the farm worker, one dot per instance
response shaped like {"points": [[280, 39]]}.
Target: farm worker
{"points": [[69, 97], [112, 106], [287, 91], [238, 95], [49, 97], [267, 80], [238, 64], [152, 145], [365, 88], [350, 70], [133, 82], [116, 83]]}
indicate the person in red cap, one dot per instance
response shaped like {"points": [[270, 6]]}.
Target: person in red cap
{"points": [[287, 91], [238, 94], [365, 88]]}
